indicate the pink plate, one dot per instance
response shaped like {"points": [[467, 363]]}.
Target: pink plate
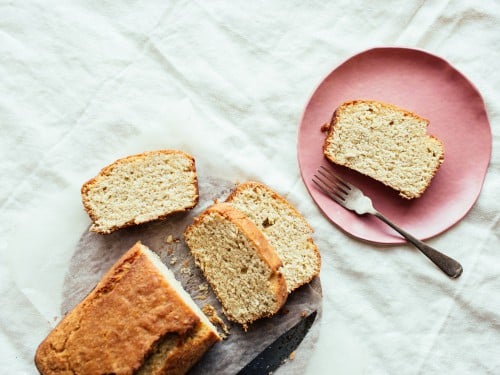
{"points": [[424, 84]]}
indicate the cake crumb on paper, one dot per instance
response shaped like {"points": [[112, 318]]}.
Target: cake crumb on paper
{"points": [[203, 287], [292, 356], [284, 311], [212, 315]]}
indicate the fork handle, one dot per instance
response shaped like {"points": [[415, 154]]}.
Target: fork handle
{"points": [[448, 265]]}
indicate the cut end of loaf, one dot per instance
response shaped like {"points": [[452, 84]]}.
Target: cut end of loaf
{"points": [[175, 354], [386, 143], [139, 189], [172, 281], [238, 262]]}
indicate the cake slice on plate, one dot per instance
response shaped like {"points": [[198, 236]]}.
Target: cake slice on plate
{"points": [[386, 143]]}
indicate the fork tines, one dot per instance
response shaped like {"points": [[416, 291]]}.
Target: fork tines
{"points": [[332, 185]]}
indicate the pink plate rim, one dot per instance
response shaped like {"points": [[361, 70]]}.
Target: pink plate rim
{"points": [[333, 216]]}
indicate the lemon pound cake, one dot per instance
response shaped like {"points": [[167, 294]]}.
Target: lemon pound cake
{"points": [[238, 262], [386, 143], [285, 229], [137, 320], [140, 188]]}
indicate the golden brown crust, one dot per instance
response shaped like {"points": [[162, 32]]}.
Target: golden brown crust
{"points": [[179, 360], [113, 329], [106, 171]]}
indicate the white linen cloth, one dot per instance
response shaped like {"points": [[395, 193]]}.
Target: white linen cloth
{"points": [[83, 83]]}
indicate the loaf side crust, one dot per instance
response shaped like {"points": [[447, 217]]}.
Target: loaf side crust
{"points": [[188, 351], [115, 327]]}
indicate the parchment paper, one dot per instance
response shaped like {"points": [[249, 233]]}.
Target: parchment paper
{"points": [[95, 254]]}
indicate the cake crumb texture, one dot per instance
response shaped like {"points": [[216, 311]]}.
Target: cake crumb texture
{"points": [[284, 227], [238, 262], [140, 188], [386, 143]]}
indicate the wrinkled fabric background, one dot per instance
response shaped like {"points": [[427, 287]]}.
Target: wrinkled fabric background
{"points": [[83, 83]]}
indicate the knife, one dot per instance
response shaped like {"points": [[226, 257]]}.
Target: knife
{"points": [[275, 354]]}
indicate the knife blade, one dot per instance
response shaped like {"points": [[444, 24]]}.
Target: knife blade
{"points": [[275, 354]]}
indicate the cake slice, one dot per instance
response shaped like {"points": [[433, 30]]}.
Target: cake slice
{"points": [[137, 320], [386, 143], [238, 262], [284, 227], [140, 188]]}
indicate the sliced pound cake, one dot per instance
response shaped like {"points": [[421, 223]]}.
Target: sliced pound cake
{"points": [[285, 229], [140, 188], [238, 262], [386, 143], [137, 320]]}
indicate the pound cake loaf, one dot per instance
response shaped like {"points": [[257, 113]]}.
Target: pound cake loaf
{"points": [[284, 227], [137, 320], [140, 188], [238, 262], [386, 143]]}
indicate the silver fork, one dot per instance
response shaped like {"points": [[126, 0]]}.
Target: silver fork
{"points": [[352, 198]]}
